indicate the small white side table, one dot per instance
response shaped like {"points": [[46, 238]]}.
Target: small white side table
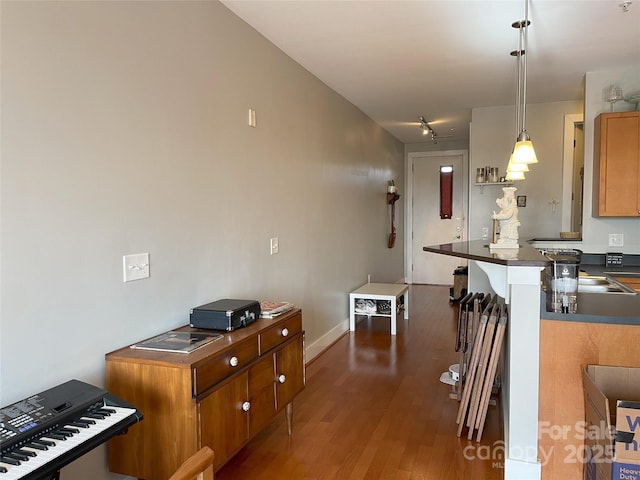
{"points": [[380, 291]]}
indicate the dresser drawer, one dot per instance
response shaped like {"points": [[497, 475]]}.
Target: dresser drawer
{"points": [[278, 333], [221, 366]]}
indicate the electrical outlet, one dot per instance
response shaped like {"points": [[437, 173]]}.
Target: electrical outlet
{"points": [[135, 267], [616, 240], [274, 246]]}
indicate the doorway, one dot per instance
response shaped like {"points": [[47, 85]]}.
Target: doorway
{"points": [[577, 190], [424, 223], [573, 173]]}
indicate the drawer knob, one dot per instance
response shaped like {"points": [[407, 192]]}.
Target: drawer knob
{"points": [[285, 332], [246, 406], [233, 361], [282, 379]]}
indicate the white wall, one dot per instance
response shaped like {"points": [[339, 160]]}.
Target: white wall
{"points": [[491, 141], [492, 135], [124, 130], [596, 230]]}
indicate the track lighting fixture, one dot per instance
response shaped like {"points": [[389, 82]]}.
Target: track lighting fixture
{"points": [[426, 128]]}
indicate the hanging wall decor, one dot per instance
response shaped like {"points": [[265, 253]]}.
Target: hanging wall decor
{"points": [[392, 198], [446, 192]]}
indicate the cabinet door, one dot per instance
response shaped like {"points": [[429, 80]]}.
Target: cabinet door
{"points": [[617, 166], [224, 422], [262, 394], [290, 373]]}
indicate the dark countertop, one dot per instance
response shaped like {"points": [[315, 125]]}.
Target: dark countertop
{"points": [[612, 308], [525, 256]]}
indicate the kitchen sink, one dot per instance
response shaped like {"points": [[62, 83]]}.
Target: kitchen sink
{"points": [[601, 284], [629, 280]]}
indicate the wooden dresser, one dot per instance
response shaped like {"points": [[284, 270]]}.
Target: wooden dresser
{"points": [[220, 395]]}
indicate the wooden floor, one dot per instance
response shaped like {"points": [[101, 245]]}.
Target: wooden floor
{"points": [[374, 408]]}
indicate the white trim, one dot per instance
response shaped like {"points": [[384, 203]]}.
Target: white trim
{"points": [[326, 340], [519, 470], [408, 220], [570, 121]]}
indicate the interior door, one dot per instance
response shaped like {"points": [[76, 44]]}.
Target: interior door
{"points": [[427, 226], [578, 178]]}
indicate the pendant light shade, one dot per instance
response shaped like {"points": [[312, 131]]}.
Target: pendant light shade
{"points": [[523, 151], [511, 176], [514, 166]]}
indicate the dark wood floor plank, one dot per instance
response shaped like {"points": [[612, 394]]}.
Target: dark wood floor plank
{"points": [[374, 408]]}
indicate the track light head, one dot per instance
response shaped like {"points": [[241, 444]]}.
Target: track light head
{"points": [[426, 129]]}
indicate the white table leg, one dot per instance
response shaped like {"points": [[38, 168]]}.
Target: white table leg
{"points": [[352, 313], [405, 296], [393, 315]]}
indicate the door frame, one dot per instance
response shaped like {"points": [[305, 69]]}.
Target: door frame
{"points": [[408, 221]]}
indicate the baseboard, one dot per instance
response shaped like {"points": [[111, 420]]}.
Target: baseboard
{"points": [[324, 342]]}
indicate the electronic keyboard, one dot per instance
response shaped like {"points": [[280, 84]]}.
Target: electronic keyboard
{"points": [[44, 432]]}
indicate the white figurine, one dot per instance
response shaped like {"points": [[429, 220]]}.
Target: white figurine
{"points": [[508, 218]]}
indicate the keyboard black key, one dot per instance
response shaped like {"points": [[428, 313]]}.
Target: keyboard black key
{"points": [[96, 415], [69, 430], [3, 469], [9, 460], [37, 446], [44, 442], [17, 456], [28, 453], [57, 436], [80, 424]]}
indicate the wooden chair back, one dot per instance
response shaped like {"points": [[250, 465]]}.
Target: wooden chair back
{"points": [[198, 466]]}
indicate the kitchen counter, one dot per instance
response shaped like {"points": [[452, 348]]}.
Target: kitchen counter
{"points": [[515, 276], [612, 308], [479, 250], [609, 308]]}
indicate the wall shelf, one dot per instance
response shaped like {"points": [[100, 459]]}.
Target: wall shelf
{"points": [[483, 184]]}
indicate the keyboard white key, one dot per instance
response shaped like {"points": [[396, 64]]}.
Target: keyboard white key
{"points": [[16, 472]]}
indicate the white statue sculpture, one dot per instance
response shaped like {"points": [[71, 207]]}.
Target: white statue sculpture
{"points": [[508, 218]]}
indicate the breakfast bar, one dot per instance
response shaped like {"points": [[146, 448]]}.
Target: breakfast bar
{"points": [[546, 351], [514, 274]]}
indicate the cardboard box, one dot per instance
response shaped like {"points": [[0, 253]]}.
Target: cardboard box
{"points": [[612, 399], [625, 471], [627, 431]]}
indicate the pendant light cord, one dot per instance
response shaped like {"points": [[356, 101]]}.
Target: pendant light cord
{"points": [[524, 63]]}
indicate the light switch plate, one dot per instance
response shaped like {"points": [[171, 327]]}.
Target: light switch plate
{"points": [[616, 240], [135, 267], [274, 246]]}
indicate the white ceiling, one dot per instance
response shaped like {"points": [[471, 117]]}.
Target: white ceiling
{"points": [[397, 60]]}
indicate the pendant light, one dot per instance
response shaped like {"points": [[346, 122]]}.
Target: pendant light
{"points": [[523, 151], [516, 171]]}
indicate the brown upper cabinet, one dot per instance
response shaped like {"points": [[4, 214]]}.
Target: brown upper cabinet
{"points": [[616, 165]]}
